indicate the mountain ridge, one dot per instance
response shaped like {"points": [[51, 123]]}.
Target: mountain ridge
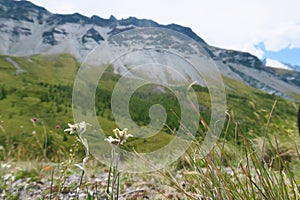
{"points": [[281, 65], [27, 29]]}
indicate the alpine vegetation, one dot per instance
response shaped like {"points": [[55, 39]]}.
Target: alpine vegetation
{"points": [[78, 129], [113, 182]]}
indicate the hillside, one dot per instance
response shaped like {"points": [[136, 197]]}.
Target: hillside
{"points": [[27, 29], [44, 91], [172, 90]]}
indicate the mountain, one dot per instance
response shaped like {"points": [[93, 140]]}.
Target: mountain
{"points": [[292, 67], [275, 64], [27, 29], [281, 65]]}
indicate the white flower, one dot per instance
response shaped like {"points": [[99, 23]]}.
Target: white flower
{"points": [[112, 140], [78, 128], [122, 135], [72, 128]]}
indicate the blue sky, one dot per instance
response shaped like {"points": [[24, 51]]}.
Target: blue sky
{"points": [[265, 28], [286, 55]]}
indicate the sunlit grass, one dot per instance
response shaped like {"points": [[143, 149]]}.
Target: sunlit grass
{"points": [[256, 157]]}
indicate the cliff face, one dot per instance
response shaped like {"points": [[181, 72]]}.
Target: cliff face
{"points": [[27, 29]]}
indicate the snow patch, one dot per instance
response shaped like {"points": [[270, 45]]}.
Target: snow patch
{"points": [[276, 64]]}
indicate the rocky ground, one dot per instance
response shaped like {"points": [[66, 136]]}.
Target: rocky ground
{"points": [[31, 185], [94, 188]]}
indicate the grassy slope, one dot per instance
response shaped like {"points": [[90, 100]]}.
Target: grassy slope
{"points": [[51, 77], [23, 103]]}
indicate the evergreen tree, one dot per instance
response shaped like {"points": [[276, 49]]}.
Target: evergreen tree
{"points": [[3, 93]]}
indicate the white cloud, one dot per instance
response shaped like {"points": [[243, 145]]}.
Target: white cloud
{"points": [[287, 36]]}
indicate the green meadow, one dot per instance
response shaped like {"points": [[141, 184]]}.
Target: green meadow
{"points": [[36, 106]]}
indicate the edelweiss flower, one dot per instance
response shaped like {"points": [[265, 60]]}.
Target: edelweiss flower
{"points": [[72, 128], [79, 129], [76, 128], [122, 135], [112, 140]]}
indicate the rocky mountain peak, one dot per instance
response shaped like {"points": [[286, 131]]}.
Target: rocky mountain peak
{"points": [[111, 22], [22, 11], [242, 58], [27, 29]]}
